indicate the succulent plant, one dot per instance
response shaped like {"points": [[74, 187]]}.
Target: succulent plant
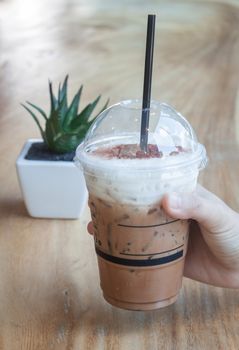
{"points": [[65, 128]]}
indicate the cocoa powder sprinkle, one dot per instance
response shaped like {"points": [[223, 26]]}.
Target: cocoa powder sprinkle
{"points": [[133, 151]]}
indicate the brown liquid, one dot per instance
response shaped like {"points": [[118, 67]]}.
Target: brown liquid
{"points": [[140, 252]]}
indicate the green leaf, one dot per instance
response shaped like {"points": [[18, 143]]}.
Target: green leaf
{"points": [[73, 109], [83, 128], [62, 109], [59, 91], [36, 120], [63, 91], [87, 111], [54, 102], [84, 115], [80, 92], [104, 107], [65, 128], [53, 129], [65, 142], [38, 109]]}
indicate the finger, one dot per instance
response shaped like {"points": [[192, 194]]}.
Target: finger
{"points": [[218, 223], [200, 205], [90, 228]]}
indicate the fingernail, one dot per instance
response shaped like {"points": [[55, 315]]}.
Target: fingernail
{"points": [[174, 200]]}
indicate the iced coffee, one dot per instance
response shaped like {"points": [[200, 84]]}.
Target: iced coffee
{"points": [[140, 250]]}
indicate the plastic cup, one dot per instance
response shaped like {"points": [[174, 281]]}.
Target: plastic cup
{"points": [[140, 250]]}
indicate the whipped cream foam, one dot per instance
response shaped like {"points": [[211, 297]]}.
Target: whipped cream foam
{"points": [[140, 181]]}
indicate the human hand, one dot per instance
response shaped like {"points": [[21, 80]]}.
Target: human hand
{"points": [[213, 248]]}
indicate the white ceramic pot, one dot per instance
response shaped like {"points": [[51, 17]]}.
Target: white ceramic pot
{"points": [[51, 189]]}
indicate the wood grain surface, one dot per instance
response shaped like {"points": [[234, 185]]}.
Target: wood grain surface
{"points": [[49, 286]]}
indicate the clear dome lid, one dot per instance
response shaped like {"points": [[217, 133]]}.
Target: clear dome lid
{"points": [[169, 135]]}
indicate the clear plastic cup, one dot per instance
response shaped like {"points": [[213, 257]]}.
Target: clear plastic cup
{"points": [[140, 250]]}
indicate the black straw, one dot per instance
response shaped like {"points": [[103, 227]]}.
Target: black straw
{"points": [[148, 68]]}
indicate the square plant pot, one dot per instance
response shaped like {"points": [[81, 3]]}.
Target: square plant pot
{"points": [[51, 189]]}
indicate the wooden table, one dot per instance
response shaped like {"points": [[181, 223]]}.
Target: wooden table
{"points": [[49, 292]]}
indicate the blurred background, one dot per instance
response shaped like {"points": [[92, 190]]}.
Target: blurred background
{"points": [[49, 292]]}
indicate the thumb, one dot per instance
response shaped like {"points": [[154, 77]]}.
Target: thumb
{"points": [[200, 205], [217, 221]]}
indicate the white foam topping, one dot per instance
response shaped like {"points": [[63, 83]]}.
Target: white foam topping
{"points": [[139, 181]]}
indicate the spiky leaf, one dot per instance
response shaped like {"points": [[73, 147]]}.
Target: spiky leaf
{"points": [[62, 108], [67, 142], [38, 109], [64, 127], [73, 109], [104, 107], [54, 101], [53, 129], [63, 91], [84, 116], [36, 120]]}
